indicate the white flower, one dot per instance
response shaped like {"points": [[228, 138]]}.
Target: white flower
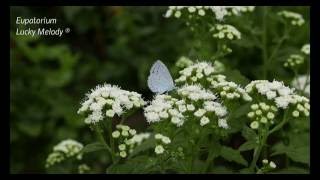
{"points": [[200, 112], [190, 107], [123, 154], [65, 149], [272, 164], [271, 94], [295, 19], [159, 149], [139, 138], [122, 147], [306, 49], [223, 123], [225, 31], [270, 115], [218, 12], [302, 83], [110, 113], [282, 101], [111, 98], [295, 113], [166, 140], [204, 120], [265, 161], [115, 134], [177, 121], [294, 60], [254, 125]]}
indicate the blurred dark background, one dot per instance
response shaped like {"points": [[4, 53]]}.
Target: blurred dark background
{"points": [[49, 76]]}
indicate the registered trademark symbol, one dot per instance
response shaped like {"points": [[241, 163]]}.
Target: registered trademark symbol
{"points": [[67, 30]]}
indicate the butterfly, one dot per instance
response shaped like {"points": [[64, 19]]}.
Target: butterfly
{"points": [[160, 80]]}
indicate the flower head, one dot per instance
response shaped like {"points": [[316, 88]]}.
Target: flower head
{"points": [[106, 101]]}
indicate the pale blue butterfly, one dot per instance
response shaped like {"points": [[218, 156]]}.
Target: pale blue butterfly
{"points": [[160, 80]]}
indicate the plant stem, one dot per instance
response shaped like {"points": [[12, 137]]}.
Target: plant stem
{"points": [[279, 126], [264, 43], [102, 140], [257, 151]]}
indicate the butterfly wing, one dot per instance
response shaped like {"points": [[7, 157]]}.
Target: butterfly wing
{"points": [[160, 80]]}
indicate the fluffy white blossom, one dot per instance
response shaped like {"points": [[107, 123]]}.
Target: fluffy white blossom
{"points": [[162, 138], [139, 138], [272, 165], [284, 98], [302, 83], [159, 149], [196, 71], [161, 108], [306, 49], [225, 31], [294, 19], [65, 149], [106, 101], [219, 12], [227, 89], [177, 111]]}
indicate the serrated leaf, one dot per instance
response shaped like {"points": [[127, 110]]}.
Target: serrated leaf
{"points": [[295, 153], [232, 155], [93, 147], [248, 133], [248, 145]]}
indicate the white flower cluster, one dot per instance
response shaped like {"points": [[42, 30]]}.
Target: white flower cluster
{"points": [[195, 72], [281, 95], [65, 149], [139, 138], [161, 141], [261, 113], [183, 62], [226, 89], [124, 134], [165, 107], [194, 94], [108, 100], [294, 60], [306, 49], [218, 11], [295, 19], [302, 83], [225, 31], [270, 164]]}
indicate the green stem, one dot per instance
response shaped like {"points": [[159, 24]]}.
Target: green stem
{"points": [[257, 151], [279, 126], [264, 42], [102, 140], [110, 137]]}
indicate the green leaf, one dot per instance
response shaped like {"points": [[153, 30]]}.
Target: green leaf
{"points": [[295, 153], [232, 155], [145, 145], [249, 133], [236, 76], [248, 145], [93, 147]]}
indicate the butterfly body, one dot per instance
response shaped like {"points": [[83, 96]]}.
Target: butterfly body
{"points": [[160, 80]]}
